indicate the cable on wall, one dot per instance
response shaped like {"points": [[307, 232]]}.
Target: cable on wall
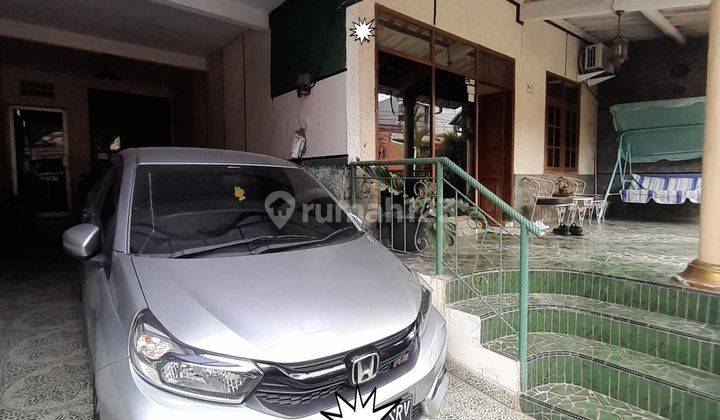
{"points": [[566, 55]]}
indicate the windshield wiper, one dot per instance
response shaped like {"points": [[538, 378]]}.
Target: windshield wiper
{"points": [[272, 247], [207, 248]]}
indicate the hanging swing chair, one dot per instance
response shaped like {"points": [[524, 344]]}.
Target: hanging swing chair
{"points": [[652, 131]]}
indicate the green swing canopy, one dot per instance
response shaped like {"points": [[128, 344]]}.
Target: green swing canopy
{"points": [[652, 131], [656, 130]]}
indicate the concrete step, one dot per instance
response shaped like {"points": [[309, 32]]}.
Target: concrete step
{"points": [[630, 376], [560, 400], [678, 340], [662, 298]]}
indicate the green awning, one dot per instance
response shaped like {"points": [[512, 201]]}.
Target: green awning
{"points": [[669, 129]]}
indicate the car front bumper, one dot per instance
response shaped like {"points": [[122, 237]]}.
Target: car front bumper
{"points": [[123, 395]]}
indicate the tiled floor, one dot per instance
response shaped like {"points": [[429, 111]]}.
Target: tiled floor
{"points": [[44, 367], [637, 249], [465, 402]]}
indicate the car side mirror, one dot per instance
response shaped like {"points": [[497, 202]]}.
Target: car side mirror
{"points": [[82, 241]]}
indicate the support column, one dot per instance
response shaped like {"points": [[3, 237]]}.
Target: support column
{"points": [[704, 272]]}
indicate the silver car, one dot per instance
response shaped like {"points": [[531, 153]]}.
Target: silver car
{"points": [[228, 285]]}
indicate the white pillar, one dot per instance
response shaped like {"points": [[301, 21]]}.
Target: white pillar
{"points": [[704, 272]]}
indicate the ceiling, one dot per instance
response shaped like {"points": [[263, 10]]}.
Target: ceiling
{"points": [[176, 32], [595, 20], [691, 22]]}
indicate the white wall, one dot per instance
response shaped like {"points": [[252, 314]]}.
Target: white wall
{"points": [[272, 122], [233, 74], [536, 47]]}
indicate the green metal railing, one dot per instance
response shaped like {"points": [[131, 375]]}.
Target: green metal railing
{"points": [[441, 164]]}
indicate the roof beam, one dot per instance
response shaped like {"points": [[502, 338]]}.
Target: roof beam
{"points": [[229, 11], [568, 9], [575, 30], [664, 25], [62, 38], [562, 9]]}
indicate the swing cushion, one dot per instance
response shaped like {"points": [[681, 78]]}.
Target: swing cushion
{"points": [[663, 189]]}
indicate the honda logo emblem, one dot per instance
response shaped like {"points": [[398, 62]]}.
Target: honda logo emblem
{"points": [[364, 368]]}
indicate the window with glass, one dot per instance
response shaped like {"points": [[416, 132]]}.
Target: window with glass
{"points": [[403, 108], [454, 55], [402, 37], [454, 129], [439, 95], [562, 125]]}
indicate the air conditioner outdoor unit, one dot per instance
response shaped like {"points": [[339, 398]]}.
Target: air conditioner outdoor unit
{"points": [[596, 66], [597, 58]]}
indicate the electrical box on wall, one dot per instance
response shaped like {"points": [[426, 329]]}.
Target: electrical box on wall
{"points": [[298, 145]]}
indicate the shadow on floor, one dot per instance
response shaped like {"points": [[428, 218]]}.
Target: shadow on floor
{"points": [[44, 367]]}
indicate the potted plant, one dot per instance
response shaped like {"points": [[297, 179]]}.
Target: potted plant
{"points": [[412, 228], [423, 208], [564, 187]]}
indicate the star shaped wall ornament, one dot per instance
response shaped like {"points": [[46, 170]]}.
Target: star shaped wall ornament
{"points": [[361, 409], [363, 30]]}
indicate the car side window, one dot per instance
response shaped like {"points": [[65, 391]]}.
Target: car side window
{"points": [[91, 208], [108, 211]]}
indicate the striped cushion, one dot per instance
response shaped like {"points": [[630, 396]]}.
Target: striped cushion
{"points": [[663, 189], [680, 182]]}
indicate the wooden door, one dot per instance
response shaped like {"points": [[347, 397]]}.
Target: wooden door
{"points": [[494, 149]]}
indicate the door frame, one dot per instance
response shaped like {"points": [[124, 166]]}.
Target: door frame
{"points": [[66, 156]]}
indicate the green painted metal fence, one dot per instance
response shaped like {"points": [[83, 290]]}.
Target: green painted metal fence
{"points": [[443, 168]]}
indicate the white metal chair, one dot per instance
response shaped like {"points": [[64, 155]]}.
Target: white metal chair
{"points": [[588, 203], [541, 192]]}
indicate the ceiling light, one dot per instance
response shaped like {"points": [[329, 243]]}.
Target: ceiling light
{"points": [[619, 45]]}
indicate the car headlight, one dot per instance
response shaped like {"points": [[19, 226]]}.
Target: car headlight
{"points": [[166, 363]]}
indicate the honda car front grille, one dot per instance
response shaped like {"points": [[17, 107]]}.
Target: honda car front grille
{"points": [[300, 389]]}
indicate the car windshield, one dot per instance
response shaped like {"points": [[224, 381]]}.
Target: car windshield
{"points": [[183, 210]]}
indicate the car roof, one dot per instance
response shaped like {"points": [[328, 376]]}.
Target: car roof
{"points": [[192, 155]]}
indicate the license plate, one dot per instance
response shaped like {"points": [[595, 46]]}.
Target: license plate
{"points": [[402, 411]]}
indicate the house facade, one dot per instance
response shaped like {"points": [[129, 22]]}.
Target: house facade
{"points": [[510, 65], [499, 87]]}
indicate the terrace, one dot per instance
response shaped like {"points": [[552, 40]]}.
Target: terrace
{"points": [[554, 325], [639, 249]]}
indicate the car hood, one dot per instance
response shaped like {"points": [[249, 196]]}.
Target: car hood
{"points": [[283, 307]]}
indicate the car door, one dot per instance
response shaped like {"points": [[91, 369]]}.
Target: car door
{"points": [[100, 211]]}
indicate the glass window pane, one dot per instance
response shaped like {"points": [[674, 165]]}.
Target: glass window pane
{"points": [[554, 89], [403, 117], [572, 94], [567, 158], [495, 70], [454, 54], [549, 157], [454, 135], [402, 36]]}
